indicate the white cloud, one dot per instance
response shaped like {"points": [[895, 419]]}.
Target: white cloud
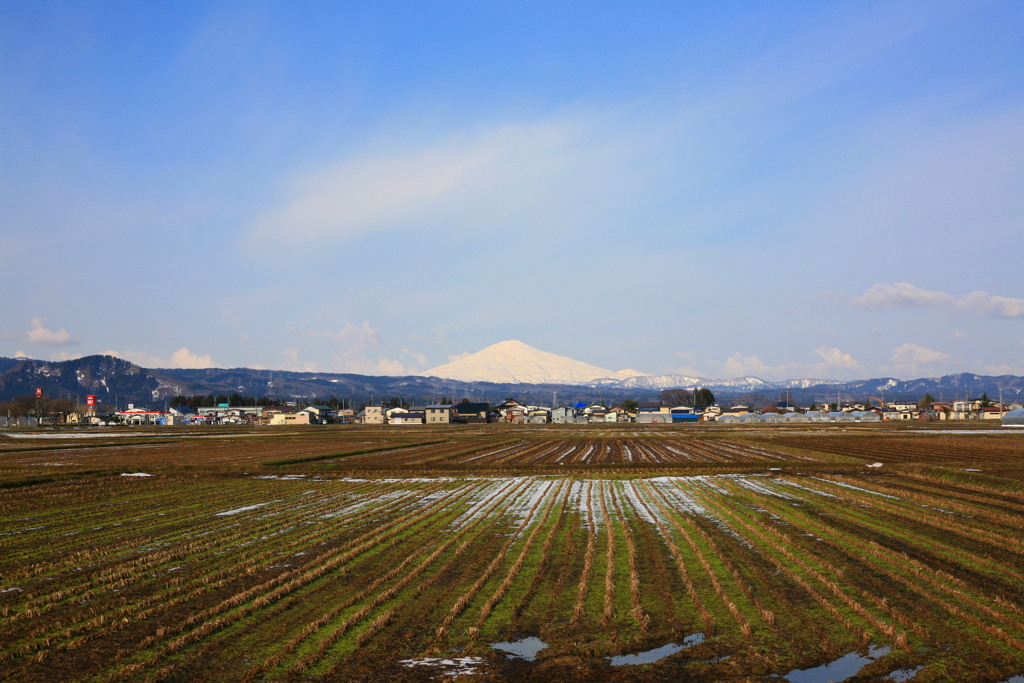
{"points": [[834, 363], [292, 362], [390, 367], [834, 359], [20, 354], [739, 365], [897, 295], [65, 355], [183, 358], [355, 338], [909, 358], [40, 334], [1004, 369], [140, 358], [361, 350]]}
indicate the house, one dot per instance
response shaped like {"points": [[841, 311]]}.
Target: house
{"points": [[512, 411], [539, 416], [407, 417], [568, 415], [391, 412], [933, 413], [710, 413], [439, 413], [621, 415], [963, 410], [318, 415], [466, 412], [282, 418], [372, 415]]}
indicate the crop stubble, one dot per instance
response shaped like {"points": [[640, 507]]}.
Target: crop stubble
{"points": [[340, 552]]}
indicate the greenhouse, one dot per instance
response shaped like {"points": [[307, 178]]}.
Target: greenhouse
{"points": [[729, 419], [866, 416], [1014, 418], [771, 418], [840, 416], [816, 416], [795, 417]]}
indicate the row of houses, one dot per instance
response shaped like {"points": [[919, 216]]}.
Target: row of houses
{"points": [[515, 412]]}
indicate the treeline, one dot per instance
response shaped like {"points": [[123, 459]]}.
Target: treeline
{"points": [[698, 398], [30, 406]]}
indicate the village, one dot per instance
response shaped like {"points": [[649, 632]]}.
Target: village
{"points": [[512, 411]]}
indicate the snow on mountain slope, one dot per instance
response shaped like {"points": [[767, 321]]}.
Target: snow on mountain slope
{"points": [[513, 362]]}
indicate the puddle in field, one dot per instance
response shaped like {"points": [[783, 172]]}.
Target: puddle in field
{"points": [[839, 669], [657, 653], [1019, 678], [527, 648], [900, 675]]}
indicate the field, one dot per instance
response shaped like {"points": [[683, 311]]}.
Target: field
{"points": [[364, 553]]}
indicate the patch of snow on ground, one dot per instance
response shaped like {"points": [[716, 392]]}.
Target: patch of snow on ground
{"points": [[856, 488], [453, 666], [635, 501], [23, 531], [757, 487], [376, 500], [236, 511], [578, 499], [136, 474], [824, 494], [536, 492], [482, 498]]}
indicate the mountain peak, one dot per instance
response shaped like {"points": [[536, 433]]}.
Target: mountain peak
{"points": [[514, 362]]}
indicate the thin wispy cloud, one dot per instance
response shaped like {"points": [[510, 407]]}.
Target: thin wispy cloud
{"points": [[896, 295], [561, 171]]}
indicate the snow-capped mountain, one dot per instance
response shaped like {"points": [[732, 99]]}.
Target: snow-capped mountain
{"points": [[686, 382], [514, 362]]}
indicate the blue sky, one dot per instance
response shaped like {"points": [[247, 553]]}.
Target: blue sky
{"points": [[716, 189]]}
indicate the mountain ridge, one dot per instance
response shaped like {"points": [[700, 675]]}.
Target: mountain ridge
{"points": [[114, 380]]}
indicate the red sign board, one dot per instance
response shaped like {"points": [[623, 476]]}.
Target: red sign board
{"points": [[39, 392], [90, 400]]}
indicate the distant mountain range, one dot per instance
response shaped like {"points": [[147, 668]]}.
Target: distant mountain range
{"points": [[491, 376]]}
